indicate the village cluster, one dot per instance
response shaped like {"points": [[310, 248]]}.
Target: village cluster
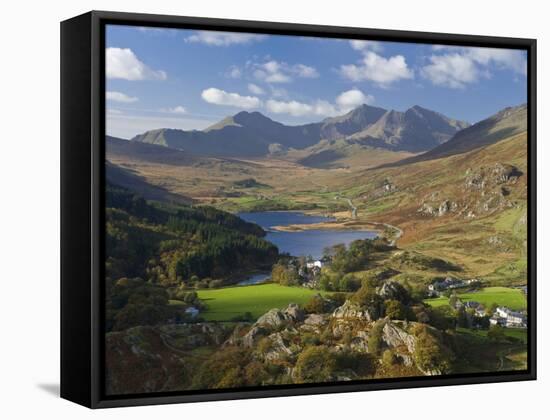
{"points": [[501, 315]]}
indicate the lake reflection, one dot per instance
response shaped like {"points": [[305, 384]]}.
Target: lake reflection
{"points": [[306, 242]]}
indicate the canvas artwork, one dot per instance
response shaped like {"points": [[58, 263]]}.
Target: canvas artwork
{"points": [[288, 210]]}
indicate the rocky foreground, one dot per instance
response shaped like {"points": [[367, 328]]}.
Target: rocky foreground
{"points": [[283, 346]]}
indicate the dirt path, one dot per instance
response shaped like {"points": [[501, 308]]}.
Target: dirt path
{"points": [[350, 203]]}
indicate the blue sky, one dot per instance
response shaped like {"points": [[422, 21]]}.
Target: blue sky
{"points": [[174, 78]]}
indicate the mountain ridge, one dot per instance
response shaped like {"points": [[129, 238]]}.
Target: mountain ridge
{"points": [[252, 134], [499, 126]]}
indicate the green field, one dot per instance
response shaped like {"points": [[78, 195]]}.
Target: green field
{"points": [[504, 296], [519, 334], [479, 354], [227, 303]]}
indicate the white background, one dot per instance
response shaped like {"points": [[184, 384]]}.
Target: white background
{"points": [[29, 210]]}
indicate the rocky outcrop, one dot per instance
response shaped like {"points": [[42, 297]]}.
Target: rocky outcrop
{"points": [[316, 320], [438, 210], [276, 317], [490, 176], [279, 348], [395, 336], [350, 310], [271, 320], [294, 312], [359, 343], [253, 335], [157, 355], [189, 336], [393, 290]]}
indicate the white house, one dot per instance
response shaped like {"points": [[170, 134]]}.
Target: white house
{"points": [[507, 318], [316, 263]]}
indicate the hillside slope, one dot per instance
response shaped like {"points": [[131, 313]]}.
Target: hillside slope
{"points": [[133, 181], [469, 208], [120, 149], [506, 123]]}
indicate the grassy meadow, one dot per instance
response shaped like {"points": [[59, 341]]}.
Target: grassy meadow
{"points": [[503, 296], [227, 303]]}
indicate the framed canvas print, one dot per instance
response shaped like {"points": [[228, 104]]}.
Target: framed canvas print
{"points": [[255, 209]]}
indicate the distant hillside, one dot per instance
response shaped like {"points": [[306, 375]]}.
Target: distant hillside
{"points": [[250, 134], [345, 153], [245, 134], [506, 123], [137, 151], [131, 181], [469, 207]]}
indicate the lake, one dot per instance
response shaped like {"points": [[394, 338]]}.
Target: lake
{"points": [[305, 242]]}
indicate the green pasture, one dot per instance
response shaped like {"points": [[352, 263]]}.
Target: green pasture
{"points": [[229, 302], [502, 296]]}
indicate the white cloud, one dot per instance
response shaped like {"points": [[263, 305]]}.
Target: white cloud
{"points": [[363, 45], [324, 109], [378, 69], [511, 59], [223, 39], [307, 72], [273, 71], [294, 108], [220, 97], [175, 110], [122, 63], [234, 72], [451, 70], [320, 108], [353, 98], [255, 89], [119, 97], [457, 67], [276, 77]]}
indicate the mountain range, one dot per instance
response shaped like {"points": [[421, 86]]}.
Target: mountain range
{"points": [[505, 123], [252, 134]]}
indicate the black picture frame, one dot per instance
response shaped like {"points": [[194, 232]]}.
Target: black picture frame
{"points": [[82, 205]]}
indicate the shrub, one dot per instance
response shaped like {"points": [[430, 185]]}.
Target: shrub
{"points": [[395, 309], [315, 364], [430, 352], [389, 358], [316, 305], [496, 334], [375, 341]]}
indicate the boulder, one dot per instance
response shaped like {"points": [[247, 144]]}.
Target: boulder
{"points": [[350, 310], [252, 336], [394, 336], [278, 349], [315, 320], [275, 317], [294, 312], [359, 343]]}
